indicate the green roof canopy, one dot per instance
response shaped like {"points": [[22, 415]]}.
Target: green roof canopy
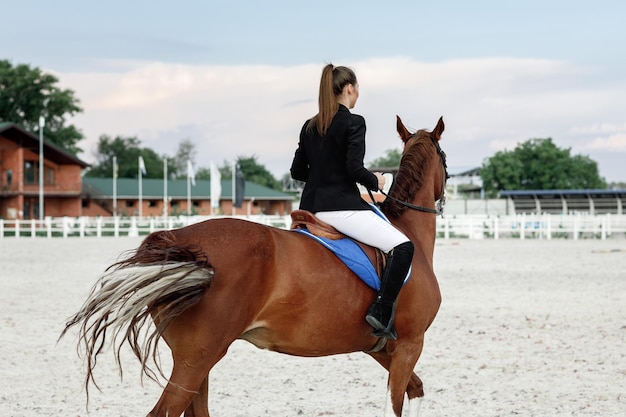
{"points": [[153, 189]]}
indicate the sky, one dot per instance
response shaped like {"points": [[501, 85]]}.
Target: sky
{"points": [[239, 78]]}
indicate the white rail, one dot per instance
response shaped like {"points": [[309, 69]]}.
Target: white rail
{"points": [[546, 226], [110, 226], [522, 226]]}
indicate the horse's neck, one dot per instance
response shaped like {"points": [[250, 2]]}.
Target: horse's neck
{"points": [[419, 226]]}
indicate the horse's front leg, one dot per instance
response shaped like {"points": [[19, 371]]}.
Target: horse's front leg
{"points": [[399, 358], [415, 388], [404, 356], [415, 392]]}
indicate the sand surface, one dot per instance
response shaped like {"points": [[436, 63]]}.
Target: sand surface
{"points": [[530, 328]]}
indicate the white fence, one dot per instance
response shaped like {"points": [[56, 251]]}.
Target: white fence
{"points": [[111, 226], [524, 226], [546, 226]]}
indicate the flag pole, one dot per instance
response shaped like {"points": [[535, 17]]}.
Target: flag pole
{"points": [[42, 122], [234, 188], [188, 194], [140, 190], [114, 186], [191, 180], [165, 187]]}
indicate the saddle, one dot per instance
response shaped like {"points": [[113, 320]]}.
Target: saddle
{"points": [[305, 220]]}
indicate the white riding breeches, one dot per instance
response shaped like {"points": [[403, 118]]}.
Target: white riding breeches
{"points": [[365, 226]]}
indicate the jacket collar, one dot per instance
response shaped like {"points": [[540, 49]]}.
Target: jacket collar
{"points": [[343, 108]]}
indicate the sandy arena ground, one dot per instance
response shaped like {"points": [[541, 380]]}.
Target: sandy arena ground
{"points": [[530, 328]]}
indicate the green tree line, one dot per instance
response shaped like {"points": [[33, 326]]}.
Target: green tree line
{"points": [[538, 164]]}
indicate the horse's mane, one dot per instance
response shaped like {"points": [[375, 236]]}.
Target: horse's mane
{"points": [[410, 176]]}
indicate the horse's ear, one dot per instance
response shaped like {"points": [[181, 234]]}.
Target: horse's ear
{"points": [[402, 131], [439, 129]]}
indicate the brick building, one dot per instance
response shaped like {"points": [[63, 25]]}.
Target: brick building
{"points": [[19, 177]]}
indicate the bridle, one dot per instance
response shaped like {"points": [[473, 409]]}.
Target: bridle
{"points": [[442, 200]]}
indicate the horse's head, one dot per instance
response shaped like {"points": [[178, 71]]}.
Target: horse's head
{"points": [[422, 175]]}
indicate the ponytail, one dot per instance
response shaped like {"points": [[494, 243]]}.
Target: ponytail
{"points": [[333, 80]]}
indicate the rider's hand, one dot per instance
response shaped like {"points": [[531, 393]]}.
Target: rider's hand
{"points": [[381, 180]]}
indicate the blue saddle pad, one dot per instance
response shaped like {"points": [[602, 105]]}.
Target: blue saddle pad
{"points": [[351, 254]]}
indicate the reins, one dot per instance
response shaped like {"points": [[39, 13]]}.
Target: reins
{"points": [[437, 211]]}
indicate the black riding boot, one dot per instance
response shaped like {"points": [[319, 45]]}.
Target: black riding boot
{"points": [[381, 313]]}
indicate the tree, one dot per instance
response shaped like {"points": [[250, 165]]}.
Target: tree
{"points": [[27, 93], [538, 164], [390, 160], [127, 151], [186, 152], [252, 171]]}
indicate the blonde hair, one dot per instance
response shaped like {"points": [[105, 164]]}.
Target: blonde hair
{"points": [[333, 80]]}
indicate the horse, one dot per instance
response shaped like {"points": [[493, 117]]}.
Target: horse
{"points": [[213, 282]]}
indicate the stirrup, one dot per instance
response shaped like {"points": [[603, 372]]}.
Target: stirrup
{"points": [[380, 330], [388, 333]]}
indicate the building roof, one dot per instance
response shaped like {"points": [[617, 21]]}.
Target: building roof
{"points": [[463, 172], [567, 201], [30, 141], [152, 188]]}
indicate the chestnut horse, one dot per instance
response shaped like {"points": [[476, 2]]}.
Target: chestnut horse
{"points": [[213, 282]]}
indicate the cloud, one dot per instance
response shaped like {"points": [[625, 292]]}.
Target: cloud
{"points": [[615, 142], [228, 111]]}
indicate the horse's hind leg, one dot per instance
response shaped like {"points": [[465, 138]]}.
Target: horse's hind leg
{"points": [[415, 390], [199, 406], [187, 388], [183, 386]]}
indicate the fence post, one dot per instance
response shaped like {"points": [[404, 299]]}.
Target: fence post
{"points": [[116, 226], [496, 228], [33, 228], [17, 228], [538, 225], [522, 227], [603, 228], [1, 228], [133, 231], [66, 227], [99, 226]]}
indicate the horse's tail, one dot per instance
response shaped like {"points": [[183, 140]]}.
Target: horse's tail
{"points": [[160, 279]]}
